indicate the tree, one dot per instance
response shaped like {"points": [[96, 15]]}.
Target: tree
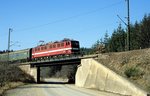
{"points": [[86, 51], [139, 37], [95, 45], [117, 40], [145, 32], [135, 36], [106, 42]]}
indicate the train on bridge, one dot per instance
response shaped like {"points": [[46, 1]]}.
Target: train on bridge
{"points": [[50, 50]]}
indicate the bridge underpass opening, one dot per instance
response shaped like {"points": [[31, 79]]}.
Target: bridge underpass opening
{"points": [[59, 68], [56, 74]]}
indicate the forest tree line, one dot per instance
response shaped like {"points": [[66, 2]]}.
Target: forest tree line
{"points": [[139, 38]]}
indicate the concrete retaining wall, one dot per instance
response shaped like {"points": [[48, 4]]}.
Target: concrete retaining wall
{"points": [[92, 74], [31, 71]]}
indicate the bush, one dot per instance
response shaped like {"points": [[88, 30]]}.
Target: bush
{"points": [[133, 72], [11, 73]]}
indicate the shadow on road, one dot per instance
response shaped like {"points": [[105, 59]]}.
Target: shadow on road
{"points": [[45, 82], [37, 86]]}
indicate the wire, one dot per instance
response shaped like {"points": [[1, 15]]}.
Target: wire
{"points": [[72, 17]]}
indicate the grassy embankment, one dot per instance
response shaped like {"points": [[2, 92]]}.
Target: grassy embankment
{"points": [[11, 76], [133, 65]]}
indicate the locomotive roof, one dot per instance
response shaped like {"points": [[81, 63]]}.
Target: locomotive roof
{"points": [[64, 40]]}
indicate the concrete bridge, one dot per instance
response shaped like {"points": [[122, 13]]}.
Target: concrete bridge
{"points": [[90, 74], [33, 68]]}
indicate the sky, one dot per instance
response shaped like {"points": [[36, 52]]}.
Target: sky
{"points": [[53, 20]]}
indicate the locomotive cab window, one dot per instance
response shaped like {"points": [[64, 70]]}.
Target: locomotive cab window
{"points": [[75, 44], [67, 43]]}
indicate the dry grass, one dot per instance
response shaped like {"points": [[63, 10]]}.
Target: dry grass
{"points": [[11, 76], [10, 85], [134, 65]]}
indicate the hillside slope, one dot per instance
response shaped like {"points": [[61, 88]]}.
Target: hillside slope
{"points": [[134, 65], [12, 76]]}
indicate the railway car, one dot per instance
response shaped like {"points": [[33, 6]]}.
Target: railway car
{"points": [[16, 56], [61, 48], [3, 57]]}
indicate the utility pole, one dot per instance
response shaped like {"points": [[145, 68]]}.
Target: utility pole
{"points": [[10, 30], [128, 19], [128, 25], [5, 65]]}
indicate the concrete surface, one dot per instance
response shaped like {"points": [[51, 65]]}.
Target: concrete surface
{"points": [[31, 71], [92, 74]]}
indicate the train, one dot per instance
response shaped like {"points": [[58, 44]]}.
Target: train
{"points": [[66, 47]]}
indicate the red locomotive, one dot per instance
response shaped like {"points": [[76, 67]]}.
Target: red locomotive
{"points": [[64, 47]]}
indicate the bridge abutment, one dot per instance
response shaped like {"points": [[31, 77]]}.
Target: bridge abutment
{"points": [[92, 74], [32, 71]]}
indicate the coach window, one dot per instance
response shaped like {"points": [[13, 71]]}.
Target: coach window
{"points": [[35, 49]]}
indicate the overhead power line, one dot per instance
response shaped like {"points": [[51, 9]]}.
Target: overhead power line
{"points": [[72, 17]]}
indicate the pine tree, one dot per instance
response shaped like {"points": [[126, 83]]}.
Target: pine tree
{"points": [[106, 42], [117, 40], [145, 32], [135, 36]]}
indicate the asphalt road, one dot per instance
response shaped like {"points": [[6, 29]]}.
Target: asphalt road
{"points": [[55, 89]]}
